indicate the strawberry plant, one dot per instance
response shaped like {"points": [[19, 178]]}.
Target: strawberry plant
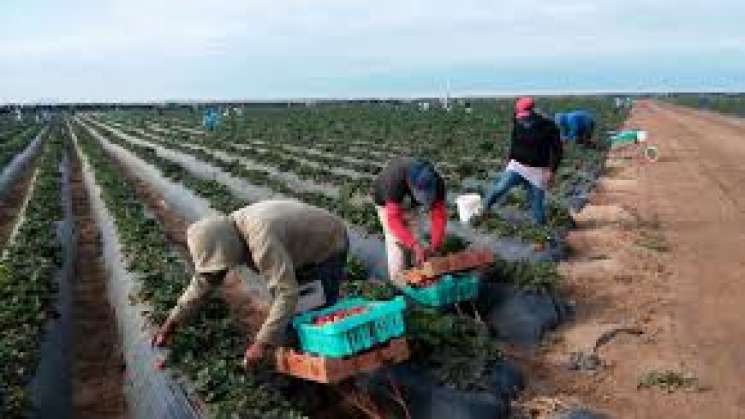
{"points": [[27, 286], [16, 142]]}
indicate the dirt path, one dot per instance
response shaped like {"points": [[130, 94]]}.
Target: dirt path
{"points": [[98, 367], [661, 251]]}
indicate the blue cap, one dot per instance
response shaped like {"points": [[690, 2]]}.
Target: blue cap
{"points": [[423, 179]]}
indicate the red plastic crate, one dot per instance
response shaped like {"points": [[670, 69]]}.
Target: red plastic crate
{"points": [[333, 370]]}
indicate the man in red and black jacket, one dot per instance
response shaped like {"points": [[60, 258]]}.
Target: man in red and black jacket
{"points": [[535, 154], [404, 186]]}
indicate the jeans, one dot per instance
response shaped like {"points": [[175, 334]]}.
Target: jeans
{"points": [[509, 180]]}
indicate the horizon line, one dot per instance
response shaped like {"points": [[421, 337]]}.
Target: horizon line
{"points": [[306, 99]]}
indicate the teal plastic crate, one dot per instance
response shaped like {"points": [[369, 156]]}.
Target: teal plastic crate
{"points": [[449, 289], [381, 322]]}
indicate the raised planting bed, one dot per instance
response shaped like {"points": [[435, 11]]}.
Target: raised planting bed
{"points": [[219, 196], [16, 154], [30, 268]]}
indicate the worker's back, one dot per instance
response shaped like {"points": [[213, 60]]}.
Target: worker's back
{"points": [[575, 125], [309, 234]]}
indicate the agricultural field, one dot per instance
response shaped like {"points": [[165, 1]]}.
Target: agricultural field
{"points": [[131, 181], [733, 104]]}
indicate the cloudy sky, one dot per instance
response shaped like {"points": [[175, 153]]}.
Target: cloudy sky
{"points": [[259, 49]]}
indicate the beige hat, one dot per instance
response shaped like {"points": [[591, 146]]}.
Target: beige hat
{"points": [[214, 244]]}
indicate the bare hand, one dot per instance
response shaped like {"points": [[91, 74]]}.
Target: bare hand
{"points": [[163, 335], [254, 354]]}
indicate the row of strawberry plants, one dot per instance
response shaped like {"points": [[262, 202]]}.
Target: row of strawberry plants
{"points": [[207, 350], [10, 148], [363, 216], [27, 287], [10, 131], [216, 193], [558, 217], [294, 157], [281, 161], [733, 104]]}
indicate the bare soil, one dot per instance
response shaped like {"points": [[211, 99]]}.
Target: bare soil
{"points": [[661, 250], [98, 367]]}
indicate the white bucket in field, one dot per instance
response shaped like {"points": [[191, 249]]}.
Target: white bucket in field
{"points": [[641, 136], [468, 206]]}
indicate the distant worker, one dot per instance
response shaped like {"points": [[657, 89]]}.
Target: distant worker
{"points": [[287, 243], [575, 126], [404, 186], [535, 153], [210, 119]]}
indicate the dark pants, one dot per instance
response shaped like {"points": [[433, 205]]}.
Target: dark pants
{"points": [[330, 272]]}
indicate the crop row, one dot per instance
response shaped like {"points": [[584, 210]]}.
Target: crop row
{"points": [[733, 104], [458, 350], [10, 131], [207, 351], [27, 287], [452, 334], [364, 217], [354, 213], [217, 194], [313, 171], [450, 142], [10, 148]]}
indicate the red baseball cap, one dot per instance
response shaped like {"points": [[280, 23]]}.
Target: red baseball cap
{"points": [[524, 106]]}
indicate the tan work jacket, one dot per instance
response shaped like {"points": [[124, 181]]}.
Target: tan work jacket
{"points": [[281, 236]]}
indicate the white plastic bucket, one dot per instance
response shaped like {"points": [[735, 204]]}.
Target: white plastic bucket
{"points": [[468, 206], [641, 136]]}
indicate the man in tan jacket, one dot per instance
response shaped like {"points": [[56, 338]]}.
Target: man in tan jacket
{"points": [[287, 243]]}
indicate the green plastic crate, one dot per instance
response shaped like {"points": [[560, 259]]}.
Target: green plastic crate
{"points": [[449, 289], [382, 322]]}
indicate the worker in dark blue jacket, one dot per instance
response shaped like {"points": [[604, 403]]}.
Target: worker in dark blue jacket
{"points": [[575, 126]]}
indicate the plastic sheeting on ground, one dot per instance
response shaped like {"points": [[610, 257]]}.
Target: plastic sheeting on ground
{"points": [[149, 393], [51, 387]]}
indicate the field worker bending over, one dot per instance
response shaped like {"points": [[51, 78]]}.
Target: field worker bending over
{"points": [[575, 126], [535, 153], [404, 186], [288, 243]]}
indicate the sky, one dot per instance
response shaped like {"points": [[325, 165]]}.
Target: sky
{"points": [[137, 50]]}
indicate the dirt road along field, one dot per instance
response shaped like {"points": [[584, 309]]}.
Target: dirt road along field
{"points": [[660, 251]]}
